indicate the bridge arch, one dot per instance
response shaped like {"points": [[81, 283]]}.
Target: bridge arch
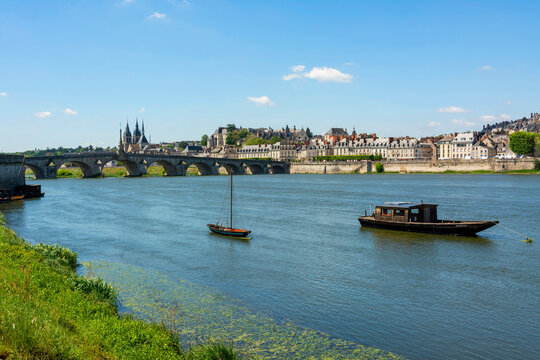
{"points": [[276, 169], [132, 168], [254, 169], [231, 168], [38, 172], [87, 170], [203, 168], [168, 167]]}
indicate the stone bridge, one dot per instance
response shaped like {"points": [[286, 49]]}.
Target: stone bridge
{"points": [[92, 163]]}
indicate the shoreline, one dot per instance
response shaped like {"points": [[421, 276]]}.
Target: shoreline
{"points": [[49, 310]]}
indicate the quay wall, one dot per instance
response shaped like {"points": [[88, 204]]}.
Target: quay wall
{"points": [[11, 171], [413, 166]]}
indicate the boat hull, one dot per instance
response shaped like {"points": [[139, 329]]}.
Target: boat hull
{"points": [[446, 227], [227, 231]]}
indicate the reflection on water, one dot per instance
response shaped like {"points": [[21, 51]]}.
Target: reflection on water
{"points": [[309, 262], [384, 237]]}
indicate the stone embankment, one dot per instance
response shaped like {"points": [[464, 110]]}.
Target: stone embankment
{"points": [[413, 166], [11, 171]]}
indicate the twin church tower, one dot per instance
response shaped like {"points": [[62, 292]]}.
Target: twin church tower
{"points": [[133, 142]]}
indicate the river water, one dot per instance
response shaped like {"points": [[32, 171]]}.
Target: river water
{"points": [[309, 262]]}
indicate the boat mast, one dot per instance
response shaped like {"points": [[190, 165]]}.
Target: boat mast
{"points": [[231, 200]]}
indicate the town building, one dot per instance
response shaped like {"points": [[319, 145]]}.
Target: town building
{"points": [[136, 142]]}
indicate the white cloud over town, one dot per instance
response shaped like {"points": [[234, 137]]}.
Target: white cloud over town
{"points": [[463, 122], [142, 109], [261, 100], [452, 109], [157, 16], [3, 93], [433, 124], [69, 111], [508, 102], [487, 68], [320, 74], [487, 117], [43, 114], [505, 116]]}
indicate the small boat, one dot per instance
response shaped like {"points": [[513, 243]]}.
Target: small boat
{"points": [[419, 217], [228, 229], [5, 196]]}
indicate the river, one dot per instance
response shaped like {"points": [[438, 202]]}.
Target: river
{"points": [[310, 263]]}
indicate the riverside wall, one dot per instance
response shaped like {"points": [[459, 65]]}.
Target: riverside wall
{"points": [[11, 171], [413, 166]]}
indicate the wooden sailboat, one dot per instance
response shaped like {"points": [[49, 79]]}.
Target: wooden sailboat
{"points": [[229, 230]]}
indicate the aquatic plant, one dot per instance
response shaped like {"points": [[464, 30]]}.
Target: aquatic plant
{"points": [[202, 315]]}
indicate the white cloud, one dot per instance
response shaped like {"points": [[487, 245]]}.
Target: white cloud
{"points": [[487, 68], [351, 63], [463, 122], [487, 117], [3, 93], [508, 102], [291, 76], [141, 110], [158, 16], [321, 74], [326, 74], [452, 109], [433, 124], [505, 116], [43, 114], [125, 2], [69, 111], [261, 101]]}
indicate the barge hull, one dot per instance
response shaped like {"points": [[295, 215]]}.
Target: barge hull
{"points": [[443, 227]]}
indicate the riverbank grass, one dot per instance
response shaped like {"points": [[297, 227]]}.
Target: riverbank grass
{"points": [[47, 311]]}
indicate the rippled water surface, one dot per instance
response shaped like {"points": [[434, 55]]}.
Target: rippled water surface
{"points": [[310, 263]]}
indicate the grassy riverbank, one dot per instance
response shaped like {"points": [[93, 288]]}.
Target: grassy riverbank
{"points": [[47, 311]]}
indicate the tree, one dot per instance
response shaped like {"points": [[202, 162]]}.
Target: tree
{"points": [[309, 133], [243, 133], [275, 139], [231, 128], [204, 140], [522, 143], [379, 167], [232, 138]]}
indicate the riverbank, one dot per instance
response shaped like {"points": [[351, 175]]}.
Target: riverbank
{"points": [[485, 166], [48, 311]]}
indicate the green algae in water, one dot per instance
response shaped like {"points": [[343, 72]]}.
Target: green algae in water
{"points": [[200, 314]]}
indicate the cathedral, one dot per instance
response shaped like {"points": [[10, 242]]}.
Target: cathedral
{"points": [[135, 142]]}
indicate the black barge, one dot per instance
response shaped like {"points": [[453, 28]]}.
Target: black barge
{"points": [[414, 217]]}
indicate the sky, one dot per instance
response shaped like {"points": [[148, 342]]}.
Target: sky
{"points": [[73, 72]]}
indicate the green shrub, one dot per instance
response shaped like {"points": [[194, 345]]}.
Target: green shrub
{"points": [[211, 351], [57, 253], [536, 164], [96, 286], [69, 173], [379, 167]]}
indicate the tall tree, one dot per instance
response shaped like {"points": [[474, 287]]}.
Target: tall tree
{"points": [[204, 140], [522, 143], [309, 133]]}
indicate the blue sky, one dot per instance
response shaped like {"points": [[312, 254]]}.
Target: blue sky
{"points": [[72, 71]]}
